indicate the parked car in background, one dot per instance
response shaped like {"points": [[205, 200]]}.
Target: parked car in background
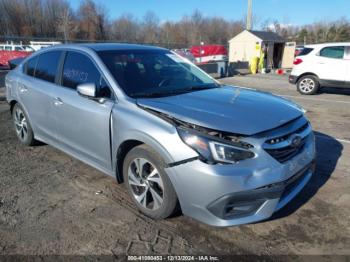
{"points": [[321, 65], [170, 132], [209, 53], [13, 47], [6, 56], [212, 59], [37, 45]]}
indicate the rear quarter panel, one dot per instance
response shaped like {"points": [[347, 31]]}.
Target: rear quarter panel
{"points": [[307, 66]]}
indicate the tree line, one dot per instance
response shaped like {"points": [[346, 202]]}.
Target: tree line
{"points": [[318, 32], [56, 19]]}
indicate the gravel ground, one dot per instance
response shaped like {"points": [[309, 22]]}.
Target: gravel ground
{"points": [[51, 203]]}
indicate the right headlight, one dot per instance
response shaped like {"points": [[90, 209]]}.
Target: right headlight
{"points": [[213, 151]]}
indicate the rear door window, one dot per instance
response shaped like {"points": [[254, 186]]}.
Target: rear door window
{"points": [[333, 52], [79, 69], [46, 68]]}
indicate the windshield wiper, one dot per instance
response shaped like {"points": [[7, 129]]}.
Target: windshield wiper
{"points": [[203, 87], [174, 92], [157, 94]]}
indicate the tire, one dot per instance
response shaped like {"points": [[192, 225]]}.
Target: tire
{"points": [[308, 85], [22, 126], [152, 191]]}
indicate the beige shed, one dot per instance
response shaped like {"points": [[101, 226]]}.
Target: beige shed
{"points": [[246, 45]]}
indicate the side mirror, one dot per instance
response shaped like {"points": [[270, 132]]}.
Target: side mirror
{"points": [[87, 89]]}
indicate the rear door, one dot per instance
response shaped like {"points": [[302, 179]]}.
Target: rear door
{"points": [[330, 65], [36, 91], [83, 124]]}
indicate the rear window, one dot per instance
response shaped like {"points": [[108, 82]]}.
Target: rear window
{"points": [[305, 51], [30, 66], [333, 52], [47, 66]]}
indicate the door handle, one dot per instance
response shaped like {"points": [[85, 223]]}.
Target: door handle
{"points": [[23, 89], [58, 101], [321, 63]]}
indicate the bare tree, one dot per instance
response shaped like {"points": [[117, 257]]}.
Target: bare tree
{"points": [[91, 21], [66, 25], [125, 29], [56, 19], [149, 32]]}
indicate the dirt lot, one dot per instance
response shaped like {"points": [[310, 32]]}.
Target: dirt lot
{"points": [[51, 203]]}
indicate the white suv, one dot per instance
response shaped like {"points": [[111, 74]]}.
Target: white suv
{"points": [[321, 65]]}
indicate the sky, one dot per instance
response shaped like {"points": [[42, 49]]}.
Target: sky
{"points": [[295, 12]]}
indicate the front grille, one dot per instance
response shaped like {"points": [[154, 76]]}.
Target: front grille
{"points": [[282, 148], [285, 137], [283, 154]]}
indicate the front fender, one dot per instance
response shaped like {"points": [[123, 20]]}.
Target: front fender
{"points": [[130, 122]]}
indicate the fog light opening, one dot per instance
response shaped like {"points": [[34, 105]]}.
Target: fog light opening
{"points": [[233, 210]]}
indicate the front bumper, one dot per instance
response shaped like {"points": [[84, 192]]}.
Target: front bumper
{"points": [[246, 192]]}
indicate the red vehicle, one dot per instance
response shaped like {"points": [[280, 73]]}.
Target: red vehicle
{"points": [[211, 58], [6, 56], [209, 53]]}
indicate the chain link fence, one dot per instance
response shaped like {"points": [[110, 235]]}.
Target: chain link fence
{"points": [[26, 40]]}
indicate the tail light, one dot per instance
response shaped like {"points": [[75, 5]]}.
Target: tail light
{"points": [[297, 61]]}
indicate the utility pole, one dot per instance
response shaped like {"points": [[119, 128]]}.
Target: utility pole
{"points": [[249, 15]]}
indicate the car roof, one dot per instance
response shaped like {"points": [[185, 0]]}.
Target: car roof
{"points": [[109, 46], [328, 44]]}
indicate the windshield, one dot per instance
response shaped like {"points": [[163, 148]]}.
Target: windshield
{"points": [[154, 73]]}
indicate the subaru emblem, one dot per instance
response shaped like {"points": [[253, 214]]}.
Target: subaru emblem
{"points": [[295, 140]]}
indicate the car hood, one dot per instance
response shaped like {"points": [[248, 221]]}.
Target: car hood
{"points": [[230, 109]]}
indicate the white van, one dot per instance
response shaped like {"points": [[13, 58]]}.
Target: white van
{"points": [[11, 47]]}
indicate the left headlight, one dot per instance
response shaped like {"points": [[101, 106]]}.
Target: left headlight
{"points": [[213, 151]]}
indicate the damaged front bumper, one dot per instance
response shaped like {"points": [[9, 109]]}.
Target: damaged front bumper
{"points": [[246, 192]]}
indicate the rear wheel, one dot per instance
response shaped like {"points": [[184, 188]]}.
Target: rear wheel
{"points": [[308, 85], [148, 184], [22, 126]]}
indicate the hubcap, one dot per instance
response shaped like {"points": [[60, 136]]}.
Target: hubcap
{"points": [[146, 183], [21, 124], [307, 85]]}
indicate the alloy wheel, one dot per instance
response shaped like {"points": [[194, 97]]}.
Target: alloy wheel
{"points": [[146, 184], [21, 124], [307, 85]]}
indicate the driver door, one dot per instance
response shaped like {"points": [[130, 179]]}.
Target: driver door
{"points": [[83, 124]]}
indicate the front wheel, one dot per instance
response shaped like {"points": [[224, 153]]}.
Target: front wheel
{"points": [[308, 85], [148, 184]]}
